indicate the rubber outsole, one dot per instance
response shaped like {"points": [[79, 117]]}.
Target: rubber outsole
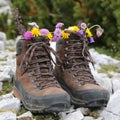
{"points": [[87, 98], [42, 104]]}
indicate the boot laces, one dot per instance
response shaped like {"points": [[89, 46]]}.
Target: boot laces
{"points": [[77, 57], [37, 61]]}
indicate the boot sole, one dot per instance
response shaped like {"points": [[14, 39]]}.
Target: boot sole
{"points": [[42, 104], [100, 98], [56, 105]]}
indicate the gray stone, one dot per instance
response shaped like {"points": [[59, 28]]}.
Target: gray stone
{"points": [[103, 80], [102, 59], [2, 36], [7, 116], [5, 6], [112, 111], [85, 111], [27, 116], [88, 118], [5, 10], [4, 3], [2, 41], [75, 115], [9, 102], [116, 85], [2, 46], [5, 75]]}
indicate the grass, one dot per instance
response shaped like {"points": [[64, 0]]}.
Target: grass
{"points": [[109, 68], [7, 87], [94, 114]]}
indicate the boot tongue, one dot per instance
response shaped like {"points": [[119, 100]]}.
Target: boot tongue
{"points": [[39, 39]]}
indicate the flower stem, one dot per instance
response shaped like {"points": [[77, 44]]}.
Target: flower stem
{"points": [[95, 26]]}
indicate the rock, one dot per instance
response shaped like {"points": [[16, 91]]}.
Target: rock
{"points": [[7, 116], [2, 46], [5, 6], [75, 115], [102, 59], [2, 37], [102, 79], [4, 3], [2, 41], [112, 111], [26, 116], [1, 84], [5, 75], [116, 85], [88, 118], [9, 102], [85, 111], [5, 10]]}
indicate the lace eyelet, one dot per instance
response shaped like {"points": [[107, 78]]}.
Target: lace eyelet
{"points": [[33, 81], [30, 74], [73, 76], [66, 48], [67, 42], [65, 55], [71, 69]]}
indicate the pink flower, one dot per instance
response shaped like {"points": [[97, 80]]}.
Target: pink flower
{"points": [[59, 25], [57, 34], [83, 26], [99, 32], [44, 31], [55, 38], [27, 35]]}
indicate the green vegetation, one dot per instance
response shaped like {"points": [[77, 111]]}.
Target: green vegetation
{"points": [[108, 68], [48, 12], [7, 88], [94, 114]]}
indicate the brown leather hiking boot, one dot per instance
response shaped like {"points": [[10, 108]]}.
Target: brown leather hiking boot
{"points": [[35, 82], [75, 75]]}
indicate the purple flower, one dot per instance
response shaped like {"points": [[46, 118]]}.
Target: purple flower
{"points": [[57, 34], [91, 40], [27, 35], [80, 32], [59, 25], [55, 38], [44, 31]]}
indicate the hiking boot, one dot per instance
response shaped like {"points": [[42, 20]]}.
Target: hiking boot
{"points": [[35, 83], [75, 75]]}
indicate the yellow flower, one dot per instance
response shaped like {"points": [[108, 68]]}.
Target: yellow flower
{"points": [[35, 32], [65, 35], [73, 29], [88, 32], [49, 36]]}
